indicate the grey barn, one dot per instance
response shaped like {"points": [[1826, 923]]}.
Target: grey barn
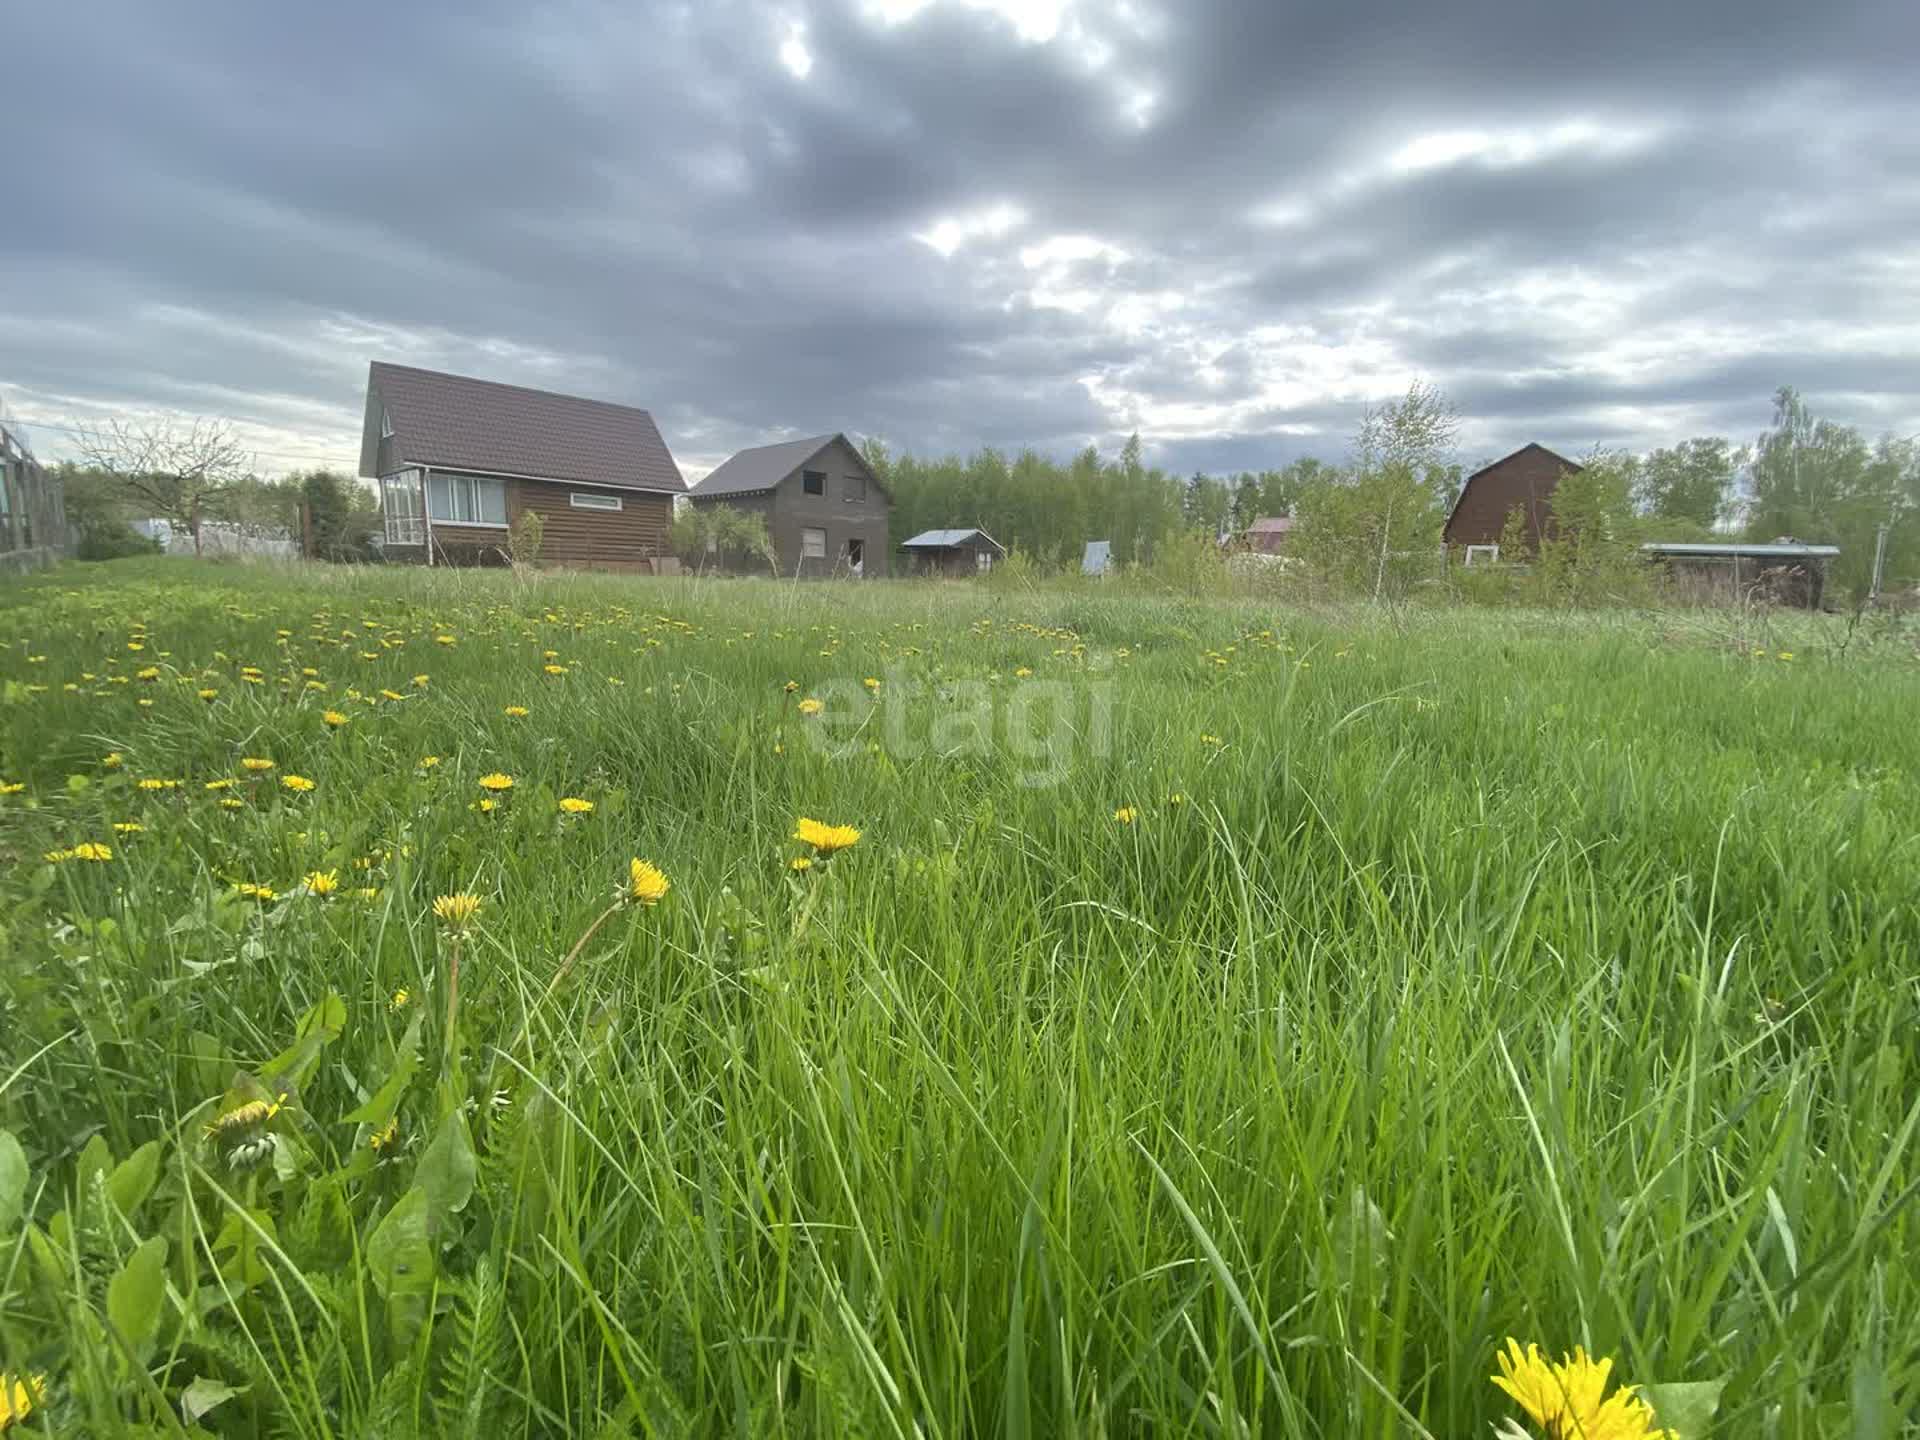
{"points": [[826, 511]]}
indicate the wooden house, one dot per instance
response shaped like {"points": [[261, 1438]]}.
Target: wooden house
{"points": [[825, 510], [460, 460]]}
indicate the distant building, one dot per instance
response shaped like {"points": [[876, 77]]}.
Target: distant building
{"points": [[1523, 481], [33, 517], [1785, 570], [825, 509], [1267, 535], [952, 552], [1096, 557], [460, 460]]}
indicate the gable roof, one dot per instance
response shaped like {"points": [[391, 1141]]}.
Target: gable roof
{"points": [[1567, 467], [460, 423], [749, 472], [948, 539]]}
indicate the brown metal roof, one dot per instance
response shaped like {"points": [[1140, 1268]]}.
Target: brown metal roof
{"points": [[460, 423]]}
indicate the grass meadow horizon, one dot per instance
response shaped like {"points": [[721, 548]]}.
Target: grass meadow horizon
{"points": [[1229, 1018]]}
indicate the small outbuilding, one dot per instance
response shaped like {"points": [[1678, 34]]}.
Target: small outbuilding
{"points": [[1097, 556], [1785, 570], [1267, 535], [951, 552]]}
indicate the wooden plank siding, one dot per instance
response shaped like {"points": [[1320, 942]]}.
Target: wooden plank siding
{"points": [[623, 539]]}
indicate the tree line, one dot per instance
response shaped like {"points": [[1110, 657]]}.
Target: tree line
{"points": [[1372, 520]]}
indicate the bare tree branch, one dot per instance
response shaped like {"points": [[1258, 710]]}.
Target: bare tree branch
{"points": [[181, 472]]}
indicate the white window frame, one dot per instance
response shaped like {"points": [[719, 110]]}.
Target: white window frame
{"points": [[818, 553], [583, 500], [1491, 553], [463, 495], [982, 561], [386, 424], [404, 508]]}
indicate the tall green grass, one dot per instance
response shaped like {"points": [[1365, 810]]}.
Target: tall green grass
{"points": [[1493, 974]]}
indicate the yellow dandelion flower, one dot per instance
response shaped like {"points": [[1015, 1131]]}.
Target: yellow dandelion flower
{"points": [[574, 805], [57, 857], [207, 694], [247, 890], [554, 669], [383, 1138], [791, 686], [456, 911], [243, 1117], [1569, 1401], [18, 1395], [871, 683], [321, 882], [401, 999], [1126, 814], [255, 763], [646, 882], [421, 681], [1022, 673], [333, 718], [149, 783], [128, 827], [229, 803], [516, 711], [800, 862], [443, 639], [13, 787], [496, 782], [810, 706], [427, 762], [486, 805], [1786, 655], [296, 782], [1176, 797], [825, 839], [392, 695]]}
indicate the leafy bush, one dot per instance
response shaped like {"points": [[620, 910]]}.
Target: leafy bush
{"points": [[104, 539]]}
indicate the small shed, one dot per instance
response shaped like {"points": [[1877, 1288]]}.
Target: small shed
{"points": [[1784, 570], [1267, 535], [1096, 557], [952, 552]]}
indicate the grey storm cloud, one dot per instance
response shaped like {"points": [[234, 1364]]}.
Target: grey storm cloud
{"points": [[955, 223]]}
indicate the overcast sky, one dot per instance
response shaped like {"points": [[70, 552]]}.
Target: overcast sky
{"points": [[966, 222]]}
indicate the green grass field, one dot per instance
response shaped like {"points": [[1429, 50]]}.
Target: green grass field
{"points": [[1242, 1023]]}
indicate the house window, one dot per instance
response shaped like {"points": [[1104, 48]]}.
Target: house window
{"points": [[386, 424], [854, 488], [856, 558], [400, 504], [466, 500], [813, 544], [814, 482], [580, 500], [983, 561], [1483, 554]]}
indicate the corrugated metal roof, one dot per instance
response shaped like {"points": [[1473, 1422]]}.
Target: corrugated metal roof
{"points": [[946, 539], [762, 467], [456, 422], [1707, 551]]}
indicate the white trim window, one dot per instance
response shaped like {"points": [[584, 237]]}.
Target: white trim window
{"points": [[1483, 554], [400, 504], [466, 500], [813, 544], [584, 500], [982, 561], [386, 424]]}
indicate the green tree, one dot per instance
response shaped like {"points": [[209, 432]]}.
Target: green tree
{"points": [[1690, 482]]}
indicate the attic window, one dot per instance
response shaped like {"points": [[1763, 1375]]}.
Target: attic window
{"points": [[814, 482], [854, 487], [386, 424]]}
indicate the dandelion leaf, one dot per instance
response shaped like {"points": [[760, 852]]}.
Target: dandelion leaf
{"points": [[133, 1179], [447, 1168], [137, 1292], [1685, 1407], [13, 1180], [386, 1100], [318, 1028]]}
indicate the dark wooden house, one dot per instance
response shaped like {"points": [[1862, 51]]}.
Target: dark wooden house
{"points": [[826, 511], [1523, 481], [952, 552], [460, 460]]}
